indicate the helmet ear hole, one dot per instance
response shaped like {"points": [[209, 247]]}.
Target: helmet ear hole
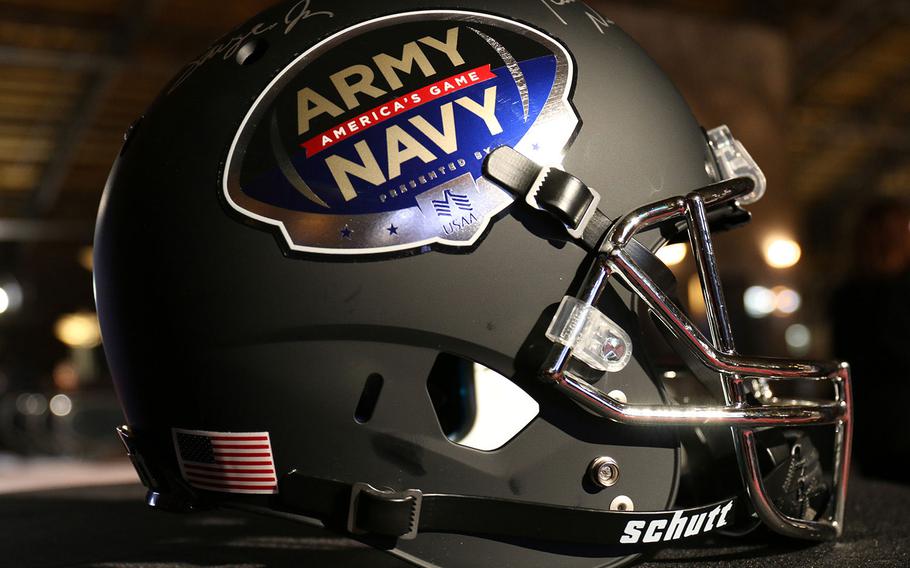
{"points": [[476, 406], [368, 398], [451, 389]]}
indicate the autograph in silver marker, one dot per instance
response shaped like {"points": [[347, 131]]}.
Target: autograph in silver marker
{"points": [[600, 22], [298, 12]]}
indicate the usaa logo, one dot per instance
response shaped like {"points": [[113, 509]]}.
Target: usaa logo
{"points": [[374, 140]]}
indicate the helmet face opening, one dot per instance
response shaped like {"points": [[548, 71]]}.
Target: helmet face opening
{"points": [[410, 283]]}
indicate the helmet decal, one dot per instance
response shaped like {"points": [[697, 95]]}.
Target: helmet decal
{"points": [[373, 140]]}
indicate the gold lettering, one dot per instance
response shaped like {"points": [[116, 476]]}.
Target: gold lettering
{"points": [[364, 84], [449, 47], [395, 138], [342, 169], [487, 111], [447, 140], [410, 54], [311, 104]]}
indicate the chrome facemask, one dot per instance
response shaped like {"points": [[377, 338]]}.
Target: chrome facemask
{"points": [[582, 333]]}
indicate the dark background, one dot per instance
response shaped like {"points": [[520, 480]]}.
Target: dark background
{"points": [[818, 91]]}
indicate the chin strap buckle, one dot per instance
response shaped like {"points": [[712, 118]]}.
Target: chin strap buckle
{"points": [[386, 513], [548, 189], [566, 197]]}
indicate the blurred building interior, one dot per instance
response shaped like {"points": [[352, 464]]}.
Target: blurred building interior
{"points": [[818, 91]]}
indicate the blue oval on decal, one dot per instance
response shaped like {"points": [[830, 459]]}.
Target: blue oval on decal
{"points": [[374, 140]]}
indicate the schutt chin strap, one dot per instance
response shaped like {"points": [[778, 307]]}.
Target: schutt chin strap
{"points": [[362, 509]]}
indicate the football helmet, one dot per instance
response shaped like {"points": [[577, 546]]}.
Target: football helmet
{"points": [[334, 233]]}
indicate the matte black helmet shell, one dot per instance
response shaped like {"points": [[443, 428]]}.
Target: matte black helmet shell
{"points": [[216, 319]]}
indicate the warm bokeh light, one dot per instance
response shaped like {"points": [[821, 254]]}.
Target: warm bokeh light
{"points": [[782, 252], [672, 254], [786, 300], [696, 296], [86, 259], [65, 375], [760, 301], [80, 330]]}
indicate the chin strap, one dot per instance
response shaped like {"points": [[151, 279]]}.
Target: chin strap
{"points": [[567, 199], [386, 514]]}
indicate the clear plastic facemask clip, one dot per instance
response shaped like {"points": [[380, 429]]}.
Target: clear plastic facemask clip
{"points": [[595, 339], [734, 161]]}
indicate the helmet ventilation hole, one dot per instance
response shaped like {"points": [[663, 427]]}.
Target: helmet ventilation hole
{"points": [[368, 398], [251, 51]]}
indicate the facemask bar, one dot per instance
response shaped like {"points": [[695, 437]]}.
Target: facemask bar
{"points": [[718, 354]]}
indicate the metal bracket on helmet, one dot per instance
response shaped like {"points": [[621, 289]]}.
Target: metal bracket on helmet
{"points": [[164, 492], [733, 161], [595, 339], [718, 354]]}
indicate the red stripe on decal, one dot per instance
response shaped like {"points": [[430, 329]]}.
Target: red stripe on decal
{"points": [[230, 468], [267, 478], [397, 106], [242, 454], [241, 462], [221, 487]]}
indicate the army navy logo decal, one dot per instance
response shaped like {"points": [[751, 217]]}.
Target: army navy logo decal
{"points": [[373, 141]]}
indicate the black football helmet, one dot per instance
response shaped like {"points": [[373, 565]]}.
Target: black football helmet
{"points": [[334, 235]]}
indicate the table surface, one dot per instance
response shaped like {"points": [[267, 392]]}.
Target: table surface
{"points": [[109, 527]]}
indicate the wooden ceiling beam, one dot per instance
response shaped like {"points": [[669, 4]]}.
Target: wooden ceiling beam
{"points": [[134, 18]]}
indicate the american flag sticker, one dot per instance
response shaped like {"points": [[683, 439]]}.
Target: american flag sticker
{"points": [[231, 462]]}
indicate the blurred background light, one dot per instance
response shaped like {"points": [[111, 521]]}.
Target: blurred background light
{"points": [[31, 404], [10, 295], [78, 330], [761, 301], [672, 254], [758, 301], [782, 252], [86, 258], [696, 297], [798, 338], [61, 405], [65, 375], [786, 300]]}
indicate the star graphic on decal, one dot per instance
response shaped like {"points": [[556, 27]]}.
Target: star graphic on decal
{"points": [[392, 229], [346, 232], [535, 146]]}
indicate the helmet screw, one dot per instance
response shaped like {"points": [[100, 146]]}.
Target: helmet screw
{"points": [[622, 503], [613, 348], [618, 395], [604, 471]]}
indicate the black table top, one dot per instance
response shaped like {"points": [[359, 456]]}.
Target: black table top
{"points": [[109, 527]]}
